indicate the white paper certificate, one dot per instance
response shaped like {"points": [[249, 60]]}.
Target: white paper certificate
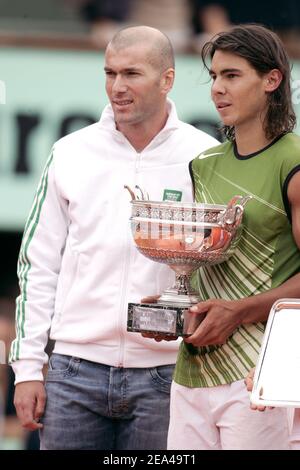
{"points": [[277, 374]]}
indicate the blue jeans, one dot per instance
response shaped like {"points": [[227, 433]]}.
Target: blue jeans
{"points": [[94, 406]]}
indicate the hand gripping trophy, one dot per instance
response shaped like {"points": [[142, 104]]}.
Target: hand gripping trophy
{"points": [[185, 236]]}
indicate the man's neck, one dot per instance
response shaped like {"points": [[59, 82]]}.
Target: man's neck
{"points": [[251, 139], [140, 135]]}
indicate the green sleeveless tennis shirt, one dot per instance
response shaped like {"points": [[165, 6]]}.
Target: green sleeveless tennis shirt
{"points": [[265, 257]]}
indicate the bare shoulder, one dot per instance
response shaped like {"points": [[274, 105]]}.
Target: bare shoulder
{"points": [[293, 189]]}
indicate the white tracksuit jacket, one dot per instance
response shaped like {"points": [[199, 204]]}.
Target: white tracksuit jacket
{"points": [[78, 265]]}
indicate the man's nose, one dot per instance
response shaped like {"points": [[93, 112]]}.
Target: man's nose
{"points": [[218, 86], [119, 85]]}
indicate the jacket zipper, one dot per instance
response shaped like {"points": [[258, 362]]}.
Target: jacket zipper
{"points": [[127, 262]]}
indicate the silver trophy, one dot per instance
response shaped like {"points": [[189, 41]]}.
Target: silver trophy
{"points": [[184, 236]]}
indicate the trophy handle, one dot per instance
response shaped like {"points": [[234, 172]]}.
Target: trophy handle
{"points": [[233, 212], [130, 192], [144, 195]]}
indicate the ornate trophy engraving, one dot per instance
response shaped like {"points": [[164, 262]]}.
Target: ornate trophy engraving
{"points": [[184, 236]]}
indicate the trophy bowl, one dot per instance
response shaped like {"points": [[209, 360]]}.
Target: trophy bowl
{"points": [[184, 236]]}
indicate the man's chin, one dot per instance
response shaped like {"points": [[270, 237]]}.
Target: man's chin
{"points": [[228, 122], [125, 119]]}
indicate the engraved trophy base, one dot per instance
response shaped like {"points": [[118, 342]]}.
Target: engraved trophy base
{"points": [[162, 319]]}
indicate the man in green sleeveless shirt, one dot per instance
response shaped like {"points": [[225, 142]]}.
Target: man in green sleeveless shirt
{"points": [[251, 91]]}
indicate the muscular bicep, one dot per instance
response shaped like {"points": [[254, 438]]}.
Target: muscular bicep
{"points": [[293, 194]]}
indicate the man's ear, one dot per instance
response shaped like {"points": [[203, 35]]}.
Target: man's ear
{"points": [[167, 80], [272, 80]]}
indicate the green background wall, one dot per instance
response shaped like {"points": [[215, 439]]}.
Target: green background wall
{"points": [[47, 89]]}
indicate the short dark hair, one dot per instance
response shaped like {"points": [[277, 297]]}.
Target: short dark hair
{"points": [[264, 51], [160, 54]]}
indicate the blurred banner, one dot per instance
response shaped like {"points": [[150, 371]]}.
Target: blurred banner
{"points": [[45, 94]]}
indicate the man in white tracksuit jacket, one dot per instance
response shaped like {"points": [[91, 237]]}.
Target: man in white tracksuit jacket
{"points": [[78, 266]]}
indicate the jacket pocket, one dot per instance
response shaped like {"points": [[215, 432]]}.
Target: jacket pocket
{"points": [[66, 281]]}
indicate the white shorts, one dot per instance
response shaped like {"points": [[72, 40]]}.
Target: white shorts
{"points": [[220, 417], [295, 429]]}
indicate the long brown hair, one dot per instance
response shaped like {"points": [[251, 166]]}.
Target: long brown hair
{"points": [[264, 51]]}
